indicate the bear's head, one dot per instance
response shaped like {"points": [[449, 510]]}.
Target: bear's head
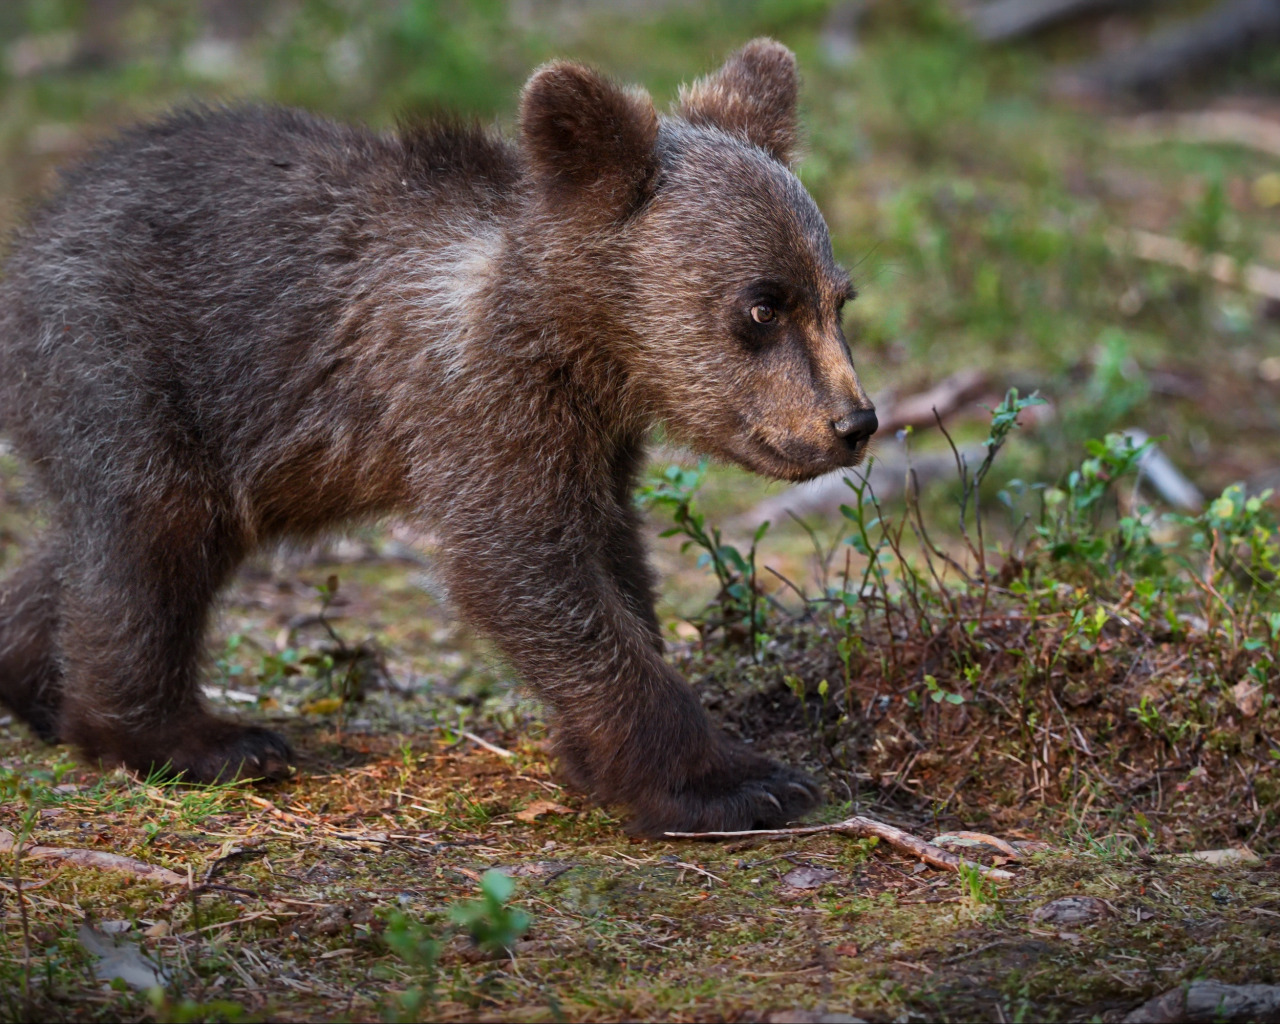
{"points": [[723, 300]]}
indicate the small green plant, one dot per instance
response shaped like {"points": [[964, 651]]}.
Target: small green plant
{"points": [[739, 602], [1116, 388], [492, 924], [225, 664], [1072, 516], [1148, 714], [341, 671], [1151, 717], [189, 1011], [976, 890], [1206, 221], [470, 813], [907, 603], [419, 949], [937, 694]]}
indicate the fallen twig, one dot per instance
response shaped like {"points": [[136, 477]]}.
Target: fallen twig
{"points": [[1174, 252], [1002, 20], [275, 811], [1232, 127], [93, 859], [945, 397], [686, 866], [1158, 469], [982, 837], [492, 747], [865, 828]]}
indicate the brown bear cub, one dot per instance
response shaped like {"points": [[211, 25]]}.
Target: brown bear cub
{"points": [[238, 325]]}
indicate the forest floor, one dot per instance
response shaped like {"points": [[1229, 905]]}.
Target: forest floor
{"points": [[282, 896], [1090, 685], [1144, 858]]}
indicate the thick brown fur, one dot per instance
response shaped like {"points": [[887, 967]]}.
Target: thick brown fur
{"points": [[237, 325], [754, 96]]}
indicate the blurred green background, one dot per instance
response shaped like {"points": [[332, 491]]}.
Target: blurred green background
{"points": [[987, 219]]}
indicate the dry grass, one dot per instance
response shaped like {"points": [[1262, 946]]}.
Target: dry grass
{"points": [[291, 895], [395, 811]]}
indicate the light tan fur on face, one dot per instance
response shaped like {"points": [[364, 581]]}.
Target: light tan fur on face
{"points": [[728, 217]]}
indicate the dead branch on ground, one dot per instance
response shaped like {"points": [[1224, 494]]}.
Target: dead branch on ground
{"points": [[1200, 44], [946, 397], [1205, 127], [865, 828], [98, 859], [1173, 252], [1002, 20]]}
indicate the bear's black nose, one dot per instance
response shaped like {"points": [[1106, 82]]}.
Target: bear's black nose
{"points": [[857, 425]]}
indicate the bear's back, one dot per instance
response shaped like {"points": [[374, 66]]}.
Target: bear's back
{"points": [[196, 268]]}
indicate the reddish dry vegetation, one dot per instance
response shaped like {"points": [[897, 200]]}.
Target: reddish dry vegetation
{"points": [[293, 891], [291, 909]]}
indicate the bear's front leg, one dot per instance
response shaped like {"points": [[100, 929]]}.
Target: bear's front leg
{"points": [[629, 729]]}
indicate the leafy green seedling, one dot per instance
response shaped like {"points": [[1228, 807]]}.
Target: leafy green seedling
{"points": [[492, 924]]}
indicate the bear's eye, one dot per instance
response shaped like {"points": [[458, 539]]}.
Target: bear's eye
{"points": [[762, 313]]}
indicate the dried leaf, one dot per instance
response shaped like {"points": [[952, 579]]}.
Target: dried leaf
{"points": [[1248, 697], [540, 807]]}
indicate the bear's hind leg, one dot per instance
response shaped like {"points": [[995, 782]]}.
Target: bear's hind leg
{"points": [[133, 623], [30, 673]]}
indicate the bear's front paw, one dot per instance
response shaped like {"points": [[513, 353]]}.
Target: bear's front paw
{"points": [[207, 750], [747, 792]]}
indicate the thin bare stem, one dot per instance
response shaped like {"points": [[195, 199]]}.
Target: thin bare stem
{"points": [[803, 596], [916, 518]]}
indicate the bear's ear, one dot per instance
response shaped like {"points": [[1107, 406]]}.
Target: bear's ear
{"points": [[587, 139], [752, 96]]}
